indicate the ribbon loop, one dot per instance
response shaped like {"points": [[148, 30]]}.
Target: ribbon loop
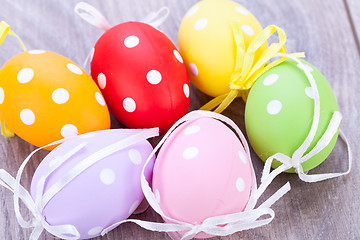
{"points": [[91, 15], [246, 71], [157, 18]]}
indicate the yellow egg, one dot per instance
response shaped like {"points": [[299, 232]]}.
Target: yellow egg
{"points": [[207, 43], [45, 97]]}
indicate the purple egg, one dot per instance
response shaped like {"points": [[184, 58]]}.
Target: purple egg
{"points": [[105, 193]]}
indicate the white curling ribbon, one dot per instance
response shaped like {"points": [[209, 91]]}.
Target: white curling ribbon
{"points": [[298, 157], [92, 15], [248, 219], [37, 222], [155, 19]]}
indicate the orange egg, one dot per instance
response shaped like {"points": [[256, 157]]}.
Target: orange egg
{"points": [[45, 97]]}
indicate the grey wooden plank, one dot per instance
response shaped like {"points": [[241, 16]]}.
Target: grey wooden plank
{"points": [[353, 7], [325, 210]]}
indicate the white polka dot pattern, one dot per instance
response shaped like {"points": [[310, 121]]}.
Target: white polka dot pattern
{"points": [[201, 24], [192, 11], [242, 10], [2, 95], [131, 41], [186, 90], [60, 96], [129, 104], [69, 130], [101, 80], [100, 99], [242, 157], [36, 51], [240, 184], [134, 206], [75, 69], [271, 79], [274, 107], [248, 30], [154, 77], [178, 56], [191, 130], [193, 69], [25, 75], [27, 116], [135, 156], [107, 176], [190, 153]]}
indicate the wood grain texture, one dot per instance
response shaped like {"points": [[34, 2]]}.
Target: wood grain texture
{"points": [[324, 210]]}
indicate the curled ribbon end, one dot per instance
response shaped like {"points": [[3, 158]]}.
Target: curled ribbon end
{"points": [[5, 131]]}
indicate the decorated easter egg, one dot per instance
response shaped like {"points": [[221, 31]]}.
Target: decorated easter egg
{"points": [[206, 42], [106, 192], [202, 171], [280, 109], [45, 97], [141, 75]]}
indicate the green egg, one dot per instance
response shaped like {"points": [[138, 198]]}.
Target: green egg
{"points": [[279, 112]]}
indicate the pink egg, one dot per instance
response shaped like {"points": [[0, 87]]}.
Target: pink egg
{"points": [[105, 193], [202, 171]]}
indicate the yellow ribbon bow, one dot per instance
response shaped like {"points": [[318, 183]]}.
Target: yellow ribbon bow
{"points": [[4, 30], [247, 71]]}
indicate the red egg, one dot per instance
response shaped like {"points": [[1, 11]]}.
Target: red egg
{"points": [[141, 75]]}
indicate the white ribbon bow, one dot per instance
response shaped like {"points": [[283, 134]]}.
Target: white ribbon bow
{"points": [[235, 222], [37, 222], [298, 157]]}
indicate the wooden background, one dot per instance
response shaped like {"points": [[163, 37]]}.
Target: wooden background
{"points": [[328, 31]]}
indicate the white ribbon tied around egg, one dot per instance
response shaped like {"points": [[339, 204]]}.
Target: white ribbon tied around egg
{"points": [[222, 225], [37, 221], [299, 155]]}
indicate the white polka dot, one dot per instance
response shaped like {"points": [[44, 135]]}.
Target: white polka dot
{"points": [[186, 90], [191, 130], [135, 156], [310, 92], [190, 152], [131, 41], [242, 10], [100, 99], [271, 79], [157, 195], [200, 24], [75, 69], [129, 104], [107, 176], [25, 75], [95, 231], [274, 107], [101, 80], [178, 56], [192, 11], [248, 30], [87, 135], [154, 77], [193, 69], [60, 96], [240, 184], [92, 54], [69, 130], [2, 95], [310, 69], [134, 206], [36, 51], [27, 116], [55, 160], [242, 157]]}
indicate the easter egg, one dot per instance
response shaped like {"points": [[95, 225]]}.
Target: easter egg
{"points": [[141, 75], [206, 42], [105, 193], [202, 171], [46, 97], [280, 109]]}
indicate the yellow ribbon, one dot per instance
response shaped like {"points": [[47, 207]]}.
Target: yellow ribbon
{"points": [[4, 30], [247, 71]]}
